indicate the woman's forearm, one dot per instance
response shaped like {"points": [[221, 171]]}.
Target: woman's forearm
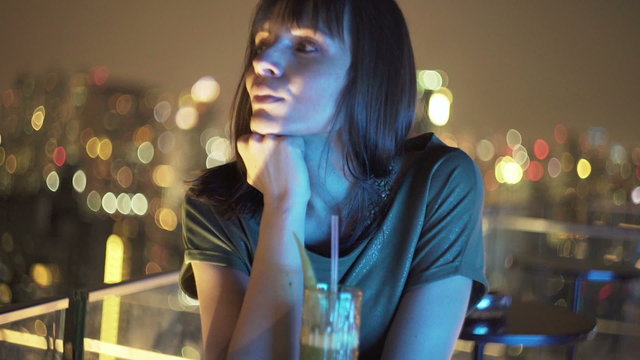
{"points": [[269, 321]]}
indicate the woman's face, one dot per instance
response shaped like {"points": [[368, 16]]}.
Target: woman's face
{"points": [[295, 79]]}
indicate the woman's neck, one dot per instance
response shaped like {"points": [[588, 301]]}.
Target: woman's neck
{"points": [[328, 182]]}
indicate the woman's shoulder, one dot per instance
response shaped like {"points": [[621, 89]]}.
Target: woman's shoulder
{"points": [[426, 151]]}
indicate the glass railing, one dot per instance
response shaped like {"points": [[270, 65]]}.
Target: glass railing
{"points": [[151, 318], [142, 319]]}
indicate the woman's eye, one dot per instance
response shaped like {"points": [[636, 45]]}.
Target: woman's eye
{"points": [[306, 47]]}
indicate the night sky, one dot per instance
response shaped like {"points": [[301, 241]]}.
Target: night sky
{"points": [[526, 65]]}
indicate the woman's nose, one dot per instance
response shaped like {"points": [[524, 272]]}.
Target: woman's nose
{"points": [[268, 63]]}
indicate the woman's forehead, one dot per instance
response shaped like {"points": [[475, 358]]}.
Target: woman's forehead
{"points": [[332, 23]]}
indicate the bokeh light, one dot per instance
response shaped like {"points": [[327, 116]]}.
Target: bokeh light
{"points": [[59, 156], [166, 142], [79, 181], [439, 109], [94, 201], [139, 204], [166, 219], [124, 176], [513, 138], [567, 161], [41, 274], [53, 181], [37, 118], [164, 175], [162, 111], [109, 203], [635, 195], [485, 150], [554, 167], [430, 80], [535, 172], [560, 133], [145, 152], [187, 118], [205, 90], [583, 168], [541, 149], [508, 171], [105, 148], [123, 203], [92, 147]]}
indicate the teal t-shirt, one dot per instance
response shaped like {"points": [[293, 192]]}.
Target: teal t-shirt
{"points": [[431, 229]]}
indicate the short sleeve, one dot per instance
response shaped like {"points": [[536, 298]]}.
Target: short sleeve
{"points": [[208, 237], [451, 240]]}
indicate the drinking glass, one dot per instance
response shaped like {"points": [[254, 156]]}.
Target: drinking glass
{"points": [[330, 323]]}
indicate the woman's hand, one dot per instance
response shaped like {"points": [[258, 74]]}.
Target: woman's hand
{"points": [[276, 167]]}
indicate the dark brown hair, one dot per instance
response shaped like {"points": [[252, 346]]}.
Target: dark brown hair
{"points": [[376, 105]]}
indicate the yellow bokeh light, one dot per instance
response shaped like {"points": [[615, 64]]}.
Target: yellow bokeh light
{"points": [[143, 134], [105, 149], [166, 219], [508, 171], [2, 155], [205, 90], [163, 175], [37, 119], [187, 118], [114, 259], [439, 109], [583, 168], [41, 275], [92, 147], [5, 294]]}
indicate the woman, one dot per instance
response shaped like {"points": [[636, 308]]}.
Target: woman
{"points": [[321, 125]]}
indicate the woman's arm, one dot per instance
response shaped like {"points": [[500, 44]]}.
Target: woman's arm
{"points": [[259, 317], [428, 320]]}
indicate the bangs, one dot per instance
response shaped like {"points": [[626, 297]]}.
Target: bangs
{"points": [[325, 15]]}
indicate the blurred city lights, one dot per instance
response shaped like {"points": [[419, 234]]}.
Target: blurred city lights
{"points": [[41, 275], [635, 196], [105, 148], [166, 142], [123, 203], [11, 163], [430, 80], [79, 181], [124, 176], [164, 175], [567, 161], [485, 150], [513, 138], [554, 167], [139, 204], [508, 171], [439, 108], [535, 171], [99, 75], [109, 203], [219, 148], [37, 119], [145, 152], [53, 181], [59, 156], [560, 134], [94, 201], [583, 168], [205, 90], [162, 111], [187, 117], [92, 147], [166, 219], [541, 149]]}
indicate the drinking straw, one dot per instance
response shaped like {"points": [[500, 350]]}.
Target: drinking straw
{"points": [[333, 286]]}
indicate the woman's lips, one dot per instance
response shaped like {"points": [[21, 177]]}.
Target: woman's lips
{"points": [[265, 99]]}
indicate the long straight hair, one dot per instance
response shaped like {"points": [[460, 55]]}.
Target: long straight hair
{"points": [[374, 112]]}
